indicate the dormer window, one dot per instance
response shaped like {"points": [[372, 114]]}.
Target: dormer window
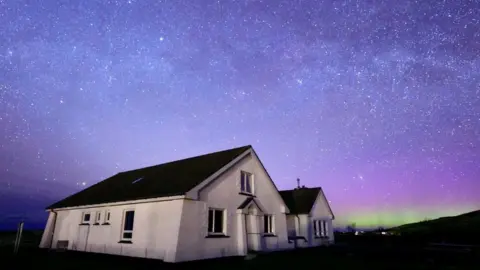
{"points": [[246, 182]]}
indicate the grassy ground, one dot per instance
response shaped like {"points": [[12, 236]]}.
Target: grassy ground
{"points": [[350, 253], [337, 257], [29, 238]]}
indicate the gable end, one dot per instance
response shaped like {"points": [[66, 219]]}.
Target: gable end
{"points": [[321, 198]]}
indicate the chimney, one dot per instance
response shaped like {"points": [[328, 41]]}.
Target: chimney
{"points": [[298, 182]]}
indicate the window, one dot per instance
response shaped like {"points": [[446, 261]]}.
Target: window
{"points": [[97, 217], [216, 220], [86, 218], [246, 182], [127, 231], [268, 224], [320, 228], [107, 216]]}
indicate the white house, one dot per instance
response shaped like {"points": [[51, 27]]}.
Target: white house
{"points": [[214, 205], [309, 221]]}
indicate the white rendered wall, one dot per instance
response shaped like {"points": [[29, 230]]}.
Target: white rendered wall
{"points": [[155, 229], [322, 211], [303, 223], [292, 225], [224, 193], [47, 235]]}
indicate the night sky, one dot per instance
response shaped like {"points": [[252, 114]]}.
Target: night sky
{"points": [[378, 102]]}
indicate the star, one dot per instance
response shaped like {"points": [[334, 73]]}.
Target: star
{"points": [[374, 102]]}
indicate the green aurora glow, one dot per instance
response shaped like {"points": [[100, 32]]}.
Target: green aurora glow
{"points": [[387, 219]]}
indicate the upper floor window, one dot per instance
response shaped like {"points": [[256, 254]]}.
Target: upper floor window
{"points": [[85, 217], [127, 228], [320, 228], [246, 182]]}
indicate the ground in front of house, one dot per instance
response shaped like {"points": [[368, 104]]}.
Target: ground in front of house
{"points": [[356, 252], [336, 257]]}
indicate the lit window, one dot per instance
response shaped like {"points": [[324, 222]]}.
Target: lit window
{"points": [[246, 182], [128, 219], [268, 224], [320, 228], [216, 221]]}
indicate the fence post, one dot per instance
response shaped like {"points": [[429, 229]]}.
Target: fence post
{"points": [[18, 238]]}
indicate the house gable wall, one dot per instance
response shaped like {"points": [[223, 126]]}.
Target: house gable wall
{"points": [[321, 208], [223, 193], [302, 224], [320, 211]]}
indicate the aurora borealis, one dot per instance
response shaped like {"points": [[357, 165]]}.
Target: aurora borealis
{"points": [[378, 102]]}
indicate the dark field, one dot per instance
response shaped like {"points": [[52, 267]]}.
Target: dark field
{"points": [[350, 253]]}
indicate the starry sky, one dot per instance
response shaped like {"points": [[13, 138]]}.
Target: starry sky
{"points": [[378, 102]]}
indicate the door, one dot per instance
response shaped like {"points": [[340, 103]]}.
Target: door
{"points": [[253, 233], [82, 238]]}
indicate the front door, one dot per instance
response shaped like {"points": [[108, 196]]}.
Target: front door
{"points": [[252, 228], [252, 235], [82, 238]]}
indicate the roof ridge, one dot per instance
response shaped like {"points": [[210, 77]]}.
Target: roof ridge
{"points": [[285, 190], [188, 158]]}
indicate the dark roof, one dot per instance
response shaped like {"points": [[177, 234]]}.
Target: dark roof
{"points": [[168, 179], [300, 200]]}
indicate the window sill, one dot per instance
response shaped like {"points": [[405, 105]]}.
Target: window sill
{"points": [[269, 235], [321, 237], [96, 224], [217, 236], [247, 194], [125, 242], [106, 223], [84, 224]]}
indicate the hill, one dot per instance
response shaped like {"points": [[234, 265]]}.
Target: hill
{"points": [[30, 238], [461, 228]]}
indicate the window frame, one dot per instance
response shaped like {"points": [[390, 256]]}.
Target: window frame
{"points": [[107, 217], [268, 224], [243, 185], [123, 230], [320, 228], [224, 221], [84, 214], [98, 217]]}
